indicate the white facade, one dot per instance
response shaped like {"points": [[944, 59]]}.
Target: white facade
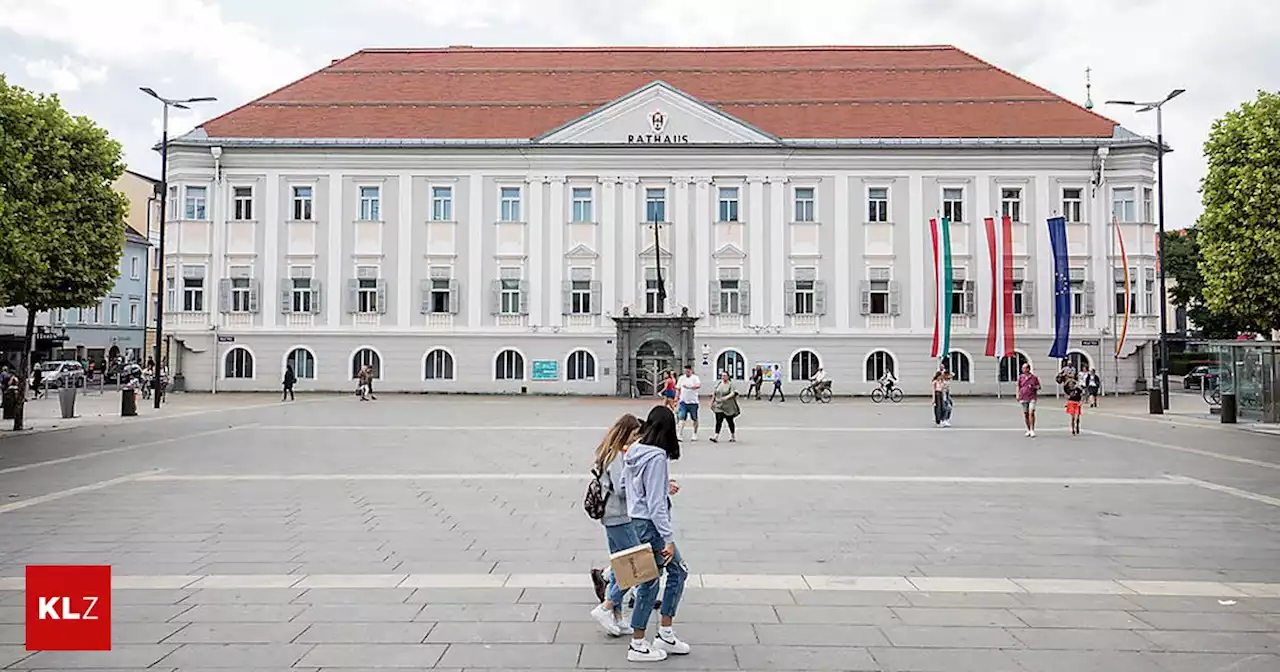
{"points": [[492, 255]]}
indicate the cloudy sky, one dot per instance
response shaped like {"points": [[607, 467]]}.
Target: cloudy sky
{"points": [[95, 53]]}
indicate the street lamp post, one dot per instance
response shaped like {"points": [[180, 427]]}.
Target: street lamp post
{"points": [[1158, 106], [156, 382]]}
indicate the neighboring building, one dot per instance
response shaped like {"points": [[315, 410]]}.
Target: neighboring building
{"points": [[13, 329], [144, 217], [115, 327], [482, 220]]}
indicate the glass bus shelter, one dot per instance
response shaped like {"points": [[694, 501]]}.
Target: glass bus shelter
{"points": [[1251, 371]]}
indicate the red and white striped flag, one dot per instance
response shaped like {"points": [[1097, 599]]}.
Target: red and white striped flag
{"points": [[1000, 253]]}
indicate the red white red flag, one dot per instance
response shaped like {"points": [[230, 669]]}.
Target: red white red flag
{"points": [[1000, 254]]}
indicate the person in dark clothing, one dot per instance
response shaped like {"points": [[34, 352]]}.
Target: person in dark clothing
{"points": [[290, 379], [37, 381]]}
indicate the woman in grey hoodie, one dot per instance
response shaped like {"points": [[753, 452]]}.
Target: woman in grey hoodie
{"points": [[617, 524], [648, 483]]}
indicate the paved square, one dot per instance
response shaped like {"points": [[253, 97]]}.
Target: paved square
{"points": [[447, 533]]}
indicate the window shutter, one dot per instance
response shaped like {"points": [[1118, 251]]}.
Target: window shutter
{"points": [[524, 297], [790, 293], [255, 288], [224, 295], [353, 295], [597, 304], [286, 296], [714, 293], [382, 296], [1088, 297], [566, 297], [1028, 297], [426, 297], [315, 296], [970, 298], [820, 297], [864, 292], [453, 297], [895, 297], [744, 297], [495, 297]]}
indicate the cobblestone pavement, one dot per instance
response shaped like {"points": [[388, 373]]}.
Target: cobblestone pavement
{"points": [[447, 533]]}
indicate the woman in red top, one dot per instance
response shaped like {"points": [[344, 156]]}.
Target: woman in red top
{"points": [[668, 391]]}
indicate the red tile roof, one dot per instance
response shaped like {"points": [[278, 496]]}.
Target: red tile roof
{"points": [[791, 92]]}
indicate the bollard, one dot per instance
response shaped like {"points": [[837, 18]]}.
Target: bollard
{"points": [[128, 402], [67, 401], [1155, 401], [1229, 409]]}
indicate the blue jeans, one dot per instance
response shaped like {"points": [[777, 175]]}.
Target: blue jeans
{"points": [[620, 538], [648, 592]]}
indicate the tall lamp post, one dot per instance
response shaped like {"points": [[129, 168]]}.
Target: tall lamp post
{"points": [[164, 199], [1158, 106]]}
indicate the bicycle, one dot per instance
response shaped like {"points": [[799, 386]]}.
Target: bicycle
{"points": [[1211, 391], [823, 393], [878, 395]]}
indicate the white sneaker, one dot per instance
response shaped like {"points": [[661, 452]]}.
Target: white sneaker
{"points": [[640, 652], [1027, 433], [1032, 433], [625, 628], [693, 437], [605, 620], [669, 643], [946, 423]]}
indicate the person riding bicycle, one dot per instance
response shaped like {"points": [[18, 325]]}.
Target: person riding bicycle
{"points": [[888, 382], [819, 381]]}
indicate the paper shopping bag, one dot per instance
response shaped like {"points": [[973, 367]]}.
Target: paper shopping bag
{"points": [[634, 566]]}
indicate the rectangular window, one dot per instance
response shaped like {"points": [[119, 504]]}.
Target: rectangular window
{"points": [[242, 203], [1122, 204], [878, 291], [193, 289], [655, 204], [114, 313], [370, 204], [731, 296], [442, 204], [171, 289], [173, 202], [302, 201], [580, 297], [509, 299], [728, 204], [1072, 204], [878, 204], [953, 204], [133, 314], [1148, 290], [510, 204], [1011, 204], [653, 303], [301, 294], [367, 289], [135, 268], [1077, 291], [94, 315], [582, 210], [1019, 287], [440, 294], [195, 203], [1148, 206], [804, 204], [805, 281], [240, 281], [958, 287]]}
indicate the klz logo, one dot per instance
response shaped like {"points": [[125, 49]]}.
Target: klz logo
{"points": [[68, 608]]}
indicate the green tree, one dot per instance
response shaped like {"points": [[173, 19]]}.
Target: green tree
{"points": [[1240, 227], [1182, 265], [61, 221]]}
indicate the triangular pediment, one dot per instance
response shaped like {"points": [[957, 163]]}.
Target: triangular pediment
{"points": [[657, 114], [648, 252], [729, 251], [581, 251]]}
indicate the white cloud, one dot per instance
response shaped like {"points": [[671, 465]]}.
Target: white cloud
{"points": [[67, 75]]}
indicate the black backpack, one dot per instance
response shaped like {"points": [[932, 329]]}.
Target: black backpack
{"points": [[597, 497]]}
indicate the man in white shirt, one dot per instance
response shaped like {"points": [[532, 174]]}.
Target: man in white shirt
{"points": [[687, 387]]}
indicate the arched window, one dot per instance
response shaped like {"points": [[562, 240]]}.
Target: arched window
{"points": [[508, 366], [803, 365], [366, 357], [733, 362], [238, 364], [303, 363], [879, 363], [582, 366], [1011, 366], [960, 367], [438, 366], [1079, 361]]}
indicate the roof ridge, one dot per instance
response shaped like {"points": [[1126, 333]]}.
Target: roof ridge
{"points": [[616, 69], [601, 102], [1028, 82], [647, 48]]}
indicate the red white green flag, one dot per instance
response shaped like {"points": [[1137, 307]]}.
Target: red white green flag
{"points": [[942, 275]]}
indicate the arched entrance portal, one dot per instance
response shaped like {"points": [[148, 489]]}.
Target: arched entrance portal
{"points": [[653, 359]]}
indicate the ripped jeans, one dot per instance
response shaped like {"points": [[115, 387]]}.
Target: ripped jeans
{"points": [[646, 593]]}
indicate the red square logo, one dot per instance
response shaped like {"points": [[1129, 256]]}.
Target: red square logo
{"points": [[68, 607]]}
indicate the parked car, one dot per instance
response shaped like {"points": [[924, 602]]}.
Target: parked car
{"points": [[1195, 379], [57, 374]]}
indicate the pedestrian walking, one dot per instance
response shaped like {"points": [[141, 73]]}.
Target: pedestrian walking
{"points": [[648, 485], [37, 381], [290, 379], [668, 390], [724, 403], [1092, 386], [1028, 393], [364, 385], [942, 398], [618, 532], [1075, 394], [687, 389], [757, 382], [776, 376]]}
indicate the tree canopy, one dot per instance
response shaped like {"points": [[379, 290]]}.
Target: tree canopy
{"points": [[1240, 227], [1182, 265]]}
